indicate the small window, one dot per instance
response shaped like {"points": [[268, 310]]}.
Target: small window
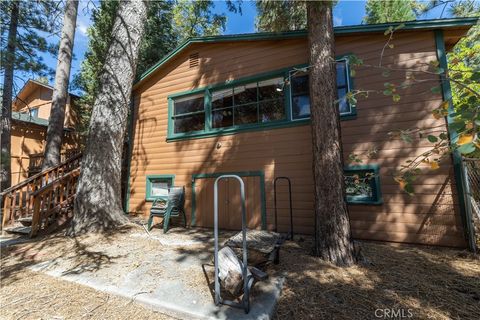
{"points": [[33, 113], [158, 185], [301, 98], [189, 114], [362, 184]]}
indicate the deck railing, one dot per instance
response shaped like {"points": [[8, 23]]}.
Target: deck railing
{"points": [[56, 197], [18, 201]]}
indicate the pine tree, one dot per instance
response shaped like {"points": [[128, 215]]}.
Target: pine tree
{"points": [[333, 240], [281, 15], [53, 145], [19, 48], [98, 197], [389, 11]]}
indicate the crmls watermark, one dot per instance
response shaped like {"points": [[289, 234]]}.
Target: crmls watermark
{"points": [[393, 313]]}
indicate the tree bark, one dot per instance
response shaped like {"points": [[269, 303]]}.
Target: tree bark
{"points": [[6, 115], [60, 90], [332, 227], [98, 197]]}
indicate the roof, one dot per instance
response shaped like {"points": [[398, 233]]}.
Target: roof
{"points": [[343, 30], [30, 85], [25, 117]]}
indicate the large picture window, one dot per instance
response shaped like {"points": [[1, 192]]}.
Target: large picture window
{"points": [[362, 184], [275, 99], [300, 92]]}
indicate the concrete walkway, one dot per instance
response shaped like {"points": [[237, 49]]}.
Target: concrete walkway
{"points": [[171, 273]]}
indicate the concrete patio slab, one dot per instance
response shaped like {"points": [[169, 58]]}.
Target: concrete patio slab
{"points": [[170, 273]]}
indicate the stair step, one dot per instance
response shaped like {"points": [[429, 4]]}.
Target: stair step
{"points": [[19, 230], [25, 221]]}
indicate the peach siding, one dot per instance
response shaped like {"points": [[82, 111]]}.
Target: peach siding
{"points": [[29, 139], [41, 97], [431, 216]]}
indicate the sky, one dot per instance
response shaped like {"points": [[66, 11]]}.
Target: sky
{"points": [[346, 12]]}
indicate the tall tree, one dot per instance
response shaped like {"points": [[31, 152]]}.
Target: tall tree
{"points": [[281, 15], [60, 90], [196, 18], [7, 92], [168, 23], [389, 11], [20, 44], [333, 240], [98, 197]]}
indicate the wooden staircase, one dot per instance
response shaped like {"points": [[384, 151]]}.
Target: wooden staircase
{"points": [[42, 201]]}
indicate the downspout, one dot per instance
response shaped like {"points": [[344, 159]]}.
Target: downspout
{"points": [[458, 169]]}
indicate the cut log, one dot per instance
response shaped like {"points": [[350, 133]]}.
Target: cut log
{"points": [[230, 271], [262, 246]]}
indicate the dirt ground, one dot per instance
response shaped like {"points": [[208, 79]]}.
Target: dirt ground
{"points": [[426, 283]]}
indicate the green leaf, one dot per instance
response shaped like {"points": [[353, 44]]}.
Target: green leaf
{"points": [[432, 139], [443, 136], [409, 189], [396, 97], [466, 148], [387, 92]]}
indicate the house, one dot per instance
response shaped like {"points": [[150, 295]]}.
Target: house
{"points": [[30, 113], [239, 104]]}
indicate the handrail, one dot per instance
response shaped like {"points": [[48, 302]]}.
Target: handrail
{"points": [[40, 174], [50, 198], [18, 201], [56, 182]]}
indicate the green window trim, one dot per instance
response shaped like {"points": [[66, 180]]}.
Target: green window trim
{"points": [[376, 199], [260, 174], [209, 131], [149, 179]]}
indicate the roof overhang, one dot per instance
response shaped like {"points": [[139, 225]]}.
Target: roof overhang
{"points": [[458, 26]]}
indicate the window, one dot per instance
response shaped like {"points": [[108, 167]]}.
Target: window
{"points": [[33, 113], [272, 99], [251, 103], [158, 185], [189, 114], [362, 184], [300, 92]]}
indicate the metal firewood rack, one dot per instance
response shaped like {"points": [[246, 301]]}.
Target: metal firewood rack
{"points": [[247, 278]]}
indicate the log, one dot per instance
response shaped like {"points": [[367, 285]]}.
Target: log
{"points": [[230, 271]]}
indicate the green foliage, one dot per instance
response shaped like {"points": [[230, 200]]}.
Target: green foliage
{"points": [[389, 11], [464, 71], [168, 23], [283, 15], [35, 18], [195, 18]]}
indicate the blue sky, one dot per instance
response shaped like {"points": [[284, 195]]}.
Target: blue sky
{"points": [[346, 12]]}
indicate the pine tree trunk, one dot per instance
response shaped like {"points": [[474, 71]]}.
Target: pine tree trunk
{"points": [[332, 227], [60, 91], [6, 114], [98, 198]]}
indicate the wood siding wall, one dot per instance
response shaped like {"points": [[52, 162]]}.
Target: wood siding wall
{"points": [[29, 139], [41, 97], [431, 216]]}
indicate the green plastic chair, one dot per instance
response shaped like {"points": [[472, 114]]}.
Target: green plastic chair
{"points": [[172, 207]]}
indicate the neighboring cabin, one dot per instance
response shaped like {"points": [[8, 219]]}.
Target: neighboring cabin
{"points": [[30, 113], [239, 104]]}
